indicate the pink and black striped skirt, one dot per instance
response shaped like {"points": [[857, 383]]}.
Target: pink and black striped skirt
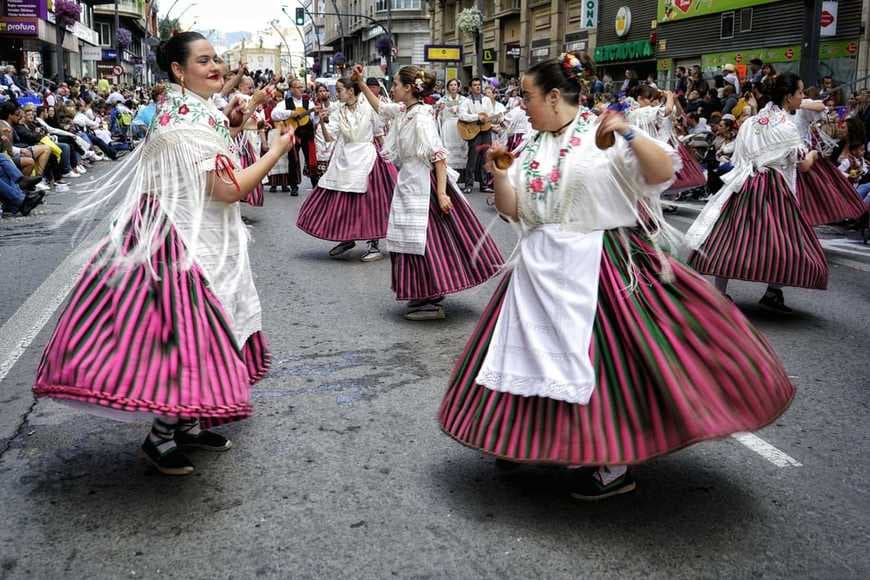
{"points": [[762, 236], [691, 175], [248, 157], [452, 263], [129, 342], [342, 216], [676, 363], [825, 196]]}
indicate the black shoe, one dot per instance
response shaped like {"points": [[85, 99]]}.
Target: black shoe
{"points": [[273, 189], [591, 488], [208, 440], [341, 249], [285, 189], [294, 191], [774, 300], [29, 183], [31, 200], [172, 462], [467, 189]]}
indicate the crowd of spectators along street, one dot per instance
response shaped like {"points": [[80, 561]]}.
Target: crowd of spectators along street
{"points": [[51, 135], [711, 109]]}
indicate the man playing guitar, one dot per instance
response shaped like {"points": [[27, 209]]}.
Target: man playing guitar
{"points": [[296, 108], [478, 109]]}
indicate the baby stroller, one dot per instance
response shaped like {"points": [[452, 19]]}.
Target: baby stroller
{"points": [[121, 127], [700, 145]]}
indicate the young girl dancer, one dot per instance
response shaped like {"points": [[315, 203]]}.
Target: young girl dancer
{"points": [[437, 245], [753, 229], [248, 141], [352, 199], [165, 320], [448, 116], [598, 349], [279, 175], [824, 194], [656, 119]]}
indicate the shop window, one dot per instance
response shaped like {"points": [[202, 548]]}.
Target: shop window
{"points": [[727, 29], [746, 20]]}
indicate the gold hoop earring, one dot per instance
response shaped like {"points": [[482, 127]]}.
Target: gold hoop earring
{"points": [[183, 88]]}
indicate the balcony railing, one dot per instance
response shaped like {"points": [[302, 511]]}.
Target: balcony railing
{"points": [[125, 8]]}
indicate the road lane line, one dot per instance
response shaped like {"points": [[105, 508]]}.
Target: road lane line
{"points": [[766, 450], [851, 264], [24, 326]]}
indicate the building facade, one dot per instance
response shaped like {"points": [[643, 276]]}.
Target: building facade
{"points": [[360, 34], [29, 38], [280, 49], [515, 33], [130, 53], [772, 30]]}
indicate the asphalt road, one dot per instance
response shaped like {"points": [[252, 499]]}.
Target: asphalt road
{"points": [[343, 472]]}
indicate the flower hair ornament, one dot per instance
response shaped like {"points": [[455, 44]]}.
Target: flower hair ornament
{"points": [[571, 65], [419, 81]]}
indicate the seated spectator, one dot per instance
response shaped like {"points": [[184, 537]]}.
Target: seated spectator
{"points": [[854, 167], [78, 146], [729, 100], [41, 154], [17, 193], [92, 130], [756, 70]]}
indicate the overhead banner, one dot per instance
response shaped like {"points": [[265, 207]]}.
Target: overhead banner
{"points": [[670, 10]]}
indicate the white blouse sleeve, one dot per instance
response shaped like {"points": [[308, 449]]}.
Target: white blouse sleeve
{"points": [[429, 145], [389, 111], [625, 167]]}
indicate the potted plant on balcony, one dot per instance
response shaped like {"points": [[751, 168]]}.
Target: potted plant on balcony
{"points": [[125, 38], [469, 20]]}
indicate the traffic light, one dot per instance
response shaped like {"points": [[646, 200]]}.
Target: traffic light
{"points": [[300, 16]]}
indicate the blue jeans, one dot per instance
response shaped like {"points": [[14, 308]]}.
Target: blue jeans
{"points": [[10, 193], [864, 191]]}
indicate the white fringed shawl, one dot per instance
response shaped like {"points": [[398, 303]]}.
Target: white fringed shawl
{"points": [[769, 140], [163, 183]]}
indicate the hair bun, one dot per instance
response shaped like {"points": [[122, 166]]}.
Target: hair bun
{"points": [[160, 53]]}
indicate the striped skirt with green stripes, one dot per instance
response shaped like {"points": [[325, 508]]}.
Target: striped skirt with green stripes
{"points": [[676, 363], [130, 342]]}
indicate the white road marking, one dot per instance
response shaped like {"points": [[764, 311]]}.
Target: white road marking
{"points": [[851, 264], [22, 328], [766, 450]]}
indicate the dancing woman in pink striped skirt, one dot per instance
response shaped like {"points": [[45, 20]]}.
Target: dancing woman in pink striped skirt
{"points": [[437, 245], [754, 229], [599, 349], [165, 320], [351, 202]]}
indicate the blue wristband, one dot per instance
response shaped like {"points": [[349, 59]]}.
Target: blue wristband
{"points": [[629, 135]]}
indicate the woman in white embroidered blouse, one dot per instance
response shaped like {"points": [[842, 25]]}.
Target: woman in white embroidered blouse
{"points": [[448, 116], [753, 229], [165, 320], [437, 245], [824, 194], [351, 202], [599, 349], [655, 115]]}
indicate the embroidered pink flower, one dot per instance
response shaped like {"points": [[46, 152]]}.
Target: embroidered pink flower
{"points": [[183, 110], [555, 175], [574, 141], [537, 185], [211, 122], [226, 124], [534, 165], [164, 119], [763, 121]]}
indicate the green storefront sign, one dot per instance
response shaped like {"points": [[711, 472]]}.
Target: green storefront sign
{"points": [[827, 51], [639, 49], [670, 10]]}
